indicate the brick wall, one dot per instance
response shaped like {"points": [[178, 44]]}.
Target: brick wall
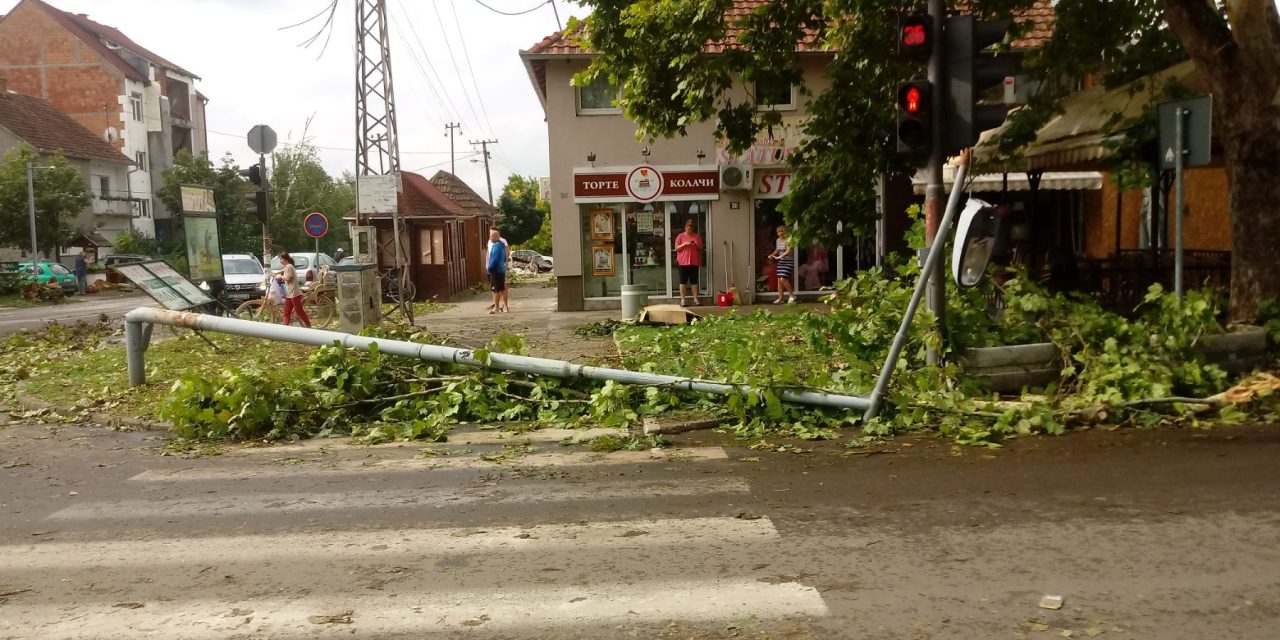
{"points": [[41, 58], [1207, 225]]}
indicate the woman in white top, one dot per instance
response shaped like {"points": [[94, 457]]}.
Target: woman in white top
{"points": [[292, 290]]}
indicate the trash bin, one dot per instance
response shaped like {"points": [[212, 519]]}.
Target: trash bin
{"points": [[634, 299]]}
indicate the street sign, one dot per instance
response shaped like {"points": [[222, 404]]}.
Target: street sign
{"points": [[1197, 132], [262, 139], [316, 225], [166, 286]]}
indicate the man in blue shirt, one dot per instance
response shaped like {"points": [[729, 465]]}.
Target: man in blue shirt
{"points": [[497, 267]]}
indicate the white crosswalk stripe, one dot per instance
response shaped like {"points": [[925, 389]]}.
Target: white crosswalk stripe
{"points": [[254, 577]]}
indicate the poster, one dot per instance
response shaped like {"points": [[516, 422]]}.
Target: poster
{"points": [[204, 251], [197, 200], [602, 224], [644, 222], [602, 261], [164, 285]]}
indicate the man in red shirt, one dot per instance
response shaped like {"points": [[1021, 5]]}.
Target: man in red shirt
{"points": [[689, 248]]}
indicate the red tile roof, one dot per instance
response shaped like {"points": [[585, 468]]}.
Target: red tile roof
{"points": [[561, 43], [49, 130], [92, 34], [463, 195]]}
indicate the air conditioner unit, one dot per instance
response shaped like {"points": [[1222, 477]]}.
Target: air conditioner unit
{"points": [[735, 177]]}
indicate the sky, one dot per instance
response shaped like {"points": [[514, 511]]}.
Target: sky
{"points": [[255, 73]]}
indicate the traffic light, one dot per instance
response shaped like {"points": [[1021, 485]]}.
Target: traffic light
{"points": [[915, 120], [915, 37], [259, 198], [968, 74], [254, 174]]}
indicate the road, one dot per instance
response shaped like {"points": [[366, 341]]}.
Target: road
{"points": [[85, 309], [1170, 535]]}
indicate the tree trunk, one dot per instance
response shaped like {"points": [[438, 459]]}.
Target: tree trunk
{"points": [[1252, 158], [1240, 60]]}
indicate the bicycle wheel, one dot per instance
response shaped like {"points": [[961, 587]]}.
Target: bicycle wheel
{"points": [[259, 310], [322, 310]]}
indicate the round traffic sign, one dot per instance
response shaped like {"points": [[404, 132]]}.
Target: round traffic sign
{"points": [[316, 225]]}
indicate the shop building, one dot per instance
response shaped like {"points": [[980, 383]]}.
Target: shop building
{"points": [[617, 204]]}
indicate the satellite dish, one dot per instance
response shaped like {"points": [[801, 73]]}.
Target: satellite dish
{"points": [[975, 242], [111, 134]]}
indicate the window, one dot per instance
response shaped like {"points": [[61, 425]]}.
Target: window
{"points": [[141, 159], [104, 186], [775, 96], [135, 105], [598, 97], [144, 208]]}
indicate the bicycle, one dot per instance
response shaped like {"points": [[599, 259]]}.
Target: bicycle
{"points": [[391, 289], [320, 303]]}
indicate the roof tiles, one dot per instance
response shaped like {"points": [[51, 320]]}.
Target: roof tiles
{"points": [[49, 130]]}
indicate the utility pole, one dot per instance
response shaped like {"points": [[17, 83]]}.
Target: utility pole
{"points": [[934, 193], [451, 127], [31, 209], [484, 146]]}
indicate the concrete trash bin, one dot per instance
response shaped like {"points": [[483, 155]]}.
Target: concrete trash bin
{"points": [[634, 299]]}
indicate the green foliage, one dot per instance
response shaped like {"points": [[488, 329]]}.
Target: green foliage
{"points": [[609, 443], [238, 226], [541, 242], [60, 194], [301, 186], [522, 210], [132, 242]]}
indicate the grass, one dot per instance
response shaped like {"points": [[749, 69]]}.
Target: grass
{"points": [[721, 348], [100, 375], [16, 301], [420, 308]]}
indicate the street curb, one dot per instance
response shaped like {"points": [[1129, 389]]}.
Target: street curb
{"points": [[97, 417]]}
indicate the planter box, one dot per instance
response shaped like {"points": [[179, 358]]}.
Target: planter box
{"points": [[1237, 352], [1011, 368]]}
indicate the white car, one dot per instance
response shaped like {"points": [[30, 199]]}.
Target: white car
{"points": [[307, 264], [244, 276]]}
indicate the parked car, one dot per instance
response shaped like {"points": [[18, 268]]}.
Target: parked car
{"points": [[307, 264], [123, 258], [52, 272], [532, 260], [244, 276]]}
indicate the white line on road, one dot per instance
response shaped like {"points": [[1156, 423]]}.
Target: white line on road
{"points": [[279, 503], [350, 467]]}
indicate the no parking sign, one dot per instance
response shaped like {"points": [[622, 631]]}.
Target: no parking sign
{"points": [[316, 225]]}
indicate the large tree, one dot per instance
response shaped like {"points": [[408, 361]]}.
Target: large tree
{"points": [[653, 50], [61, 195], [521, 213], [301, 186]]}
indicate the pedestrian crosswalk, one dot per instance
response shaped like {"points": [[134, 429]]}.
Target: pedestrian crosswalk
{"points": [[388, 546]]}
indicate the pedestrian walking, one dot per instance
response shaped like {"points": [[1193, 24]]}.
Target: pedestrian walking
{"points": [[784, 255], [689, 248], [488, 246], [82, 273], [497, 267], [292, 291]]}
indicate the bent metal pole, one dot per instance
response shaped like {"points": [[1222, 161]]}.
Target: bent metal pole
{"points": [[930, 266], [136, 344]]}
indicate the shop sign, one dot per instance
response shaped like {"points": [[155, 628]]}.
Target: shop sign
{"points": [[646, 184], [773, 148], [773, 185]]}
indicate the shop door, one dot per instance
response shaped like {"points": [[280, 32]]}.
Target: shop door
{"points": [[814, 266], [677, 215]]}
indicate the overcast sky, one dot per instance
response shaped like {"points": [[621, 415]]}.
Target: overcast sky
{"points": [[254, 73]]}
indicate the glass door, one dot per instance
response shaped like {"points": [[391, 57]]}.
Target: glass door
{"points": [[643, 254], [678, 214], [813, 266]]}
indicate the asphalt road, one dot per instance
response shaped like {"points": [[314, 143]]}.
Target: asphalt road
{"points": [[86, 309], [1169, 535]]}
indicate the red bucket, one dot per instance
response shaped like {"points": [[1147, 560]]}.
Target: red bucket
{"points": [[724, 299]]}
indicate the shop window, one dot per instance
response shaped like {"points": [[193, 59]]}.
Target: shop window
{"points": [[775, 96], [603, 275], [813, 267], [598, 97], [631, 243]]}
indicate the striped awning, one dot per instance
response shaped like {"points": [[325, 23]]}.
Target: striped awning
{"points": [[995, 182]]}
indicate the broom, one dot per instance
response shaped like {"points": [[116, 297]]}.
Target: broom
{"points": [[732, 286]]}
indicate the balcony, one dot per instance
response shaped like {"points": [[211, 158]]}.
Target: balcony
{"points": [[112, 207]]}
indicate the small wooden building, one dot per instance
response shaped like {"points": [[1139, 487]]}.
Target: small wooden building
{"points": [[438, 239], [480, 217]]}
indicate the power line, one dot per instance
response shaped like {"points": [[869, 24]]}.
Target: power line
{"points": [[467, 56], [442, 96], [294, 144], [454, 60], [515, 13]]}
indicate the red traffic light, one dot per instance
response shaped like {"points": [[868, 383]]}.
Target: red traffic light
{"points": [[913, 97], [911, 101], [914, 120], [914, 39]]}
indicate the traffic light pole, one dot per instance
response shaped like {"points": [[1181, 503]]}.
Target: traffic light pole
{"points": [[934, 192], [266, 229]]}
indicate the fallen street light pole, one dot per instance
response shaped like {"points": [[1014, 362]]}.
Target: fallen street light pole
{"points": [[137, 335]]}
